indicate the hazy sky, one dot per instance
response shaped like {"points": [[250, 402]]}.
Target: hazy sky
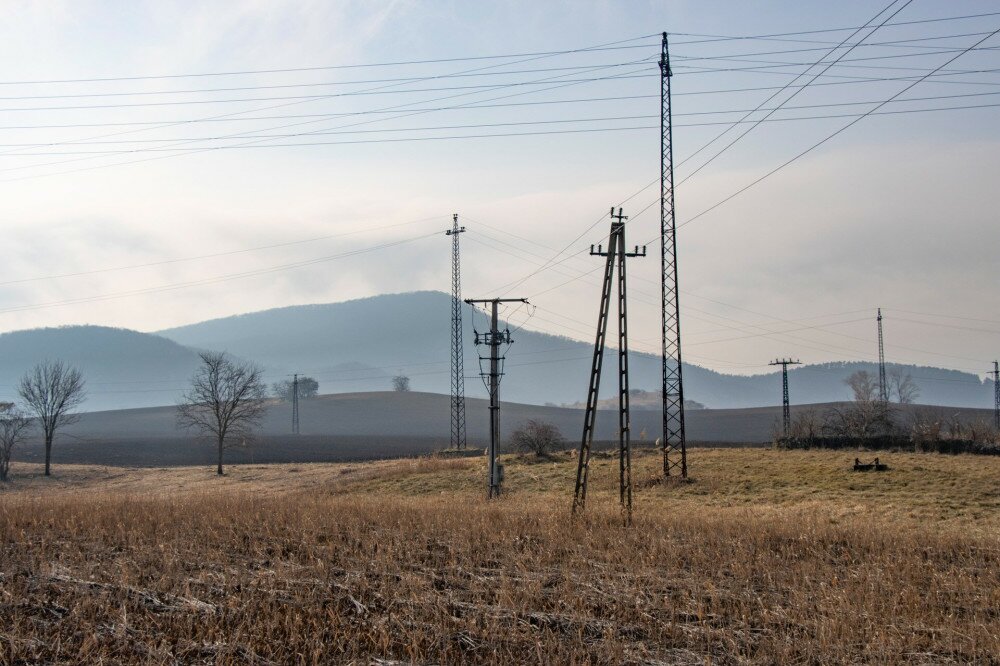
{"points": [[898, 211]]}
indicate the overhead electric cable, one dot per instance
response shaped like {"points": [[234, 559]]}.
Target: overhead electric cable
{"points": [[835, 133]]}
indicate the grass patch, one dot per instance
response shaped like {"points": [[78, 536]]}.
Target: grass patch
{"points": [[763, 557]]}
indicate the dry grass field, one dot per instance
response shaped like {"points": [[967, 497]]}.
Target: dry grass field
{"points": [[765, 557]]}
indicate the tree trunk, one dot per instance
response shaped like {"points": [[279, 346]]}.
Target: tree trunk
{"points": [[219, 470], [48, 454]]}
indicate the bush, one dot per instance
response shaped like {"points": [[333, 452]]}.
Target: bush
{"points": [[536, 437]]}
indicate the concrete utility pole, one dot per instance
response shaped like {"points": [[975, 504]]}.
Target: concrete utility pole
{"points": [[616, 256], [457, 349], [786, 412], [493, 339]]}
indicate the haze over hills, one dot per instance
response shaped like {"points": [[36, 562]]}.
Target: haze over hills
{"points": [[359, 345]]}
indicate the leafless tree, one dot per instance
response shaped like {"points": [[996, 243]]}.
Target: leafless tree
{"points": [[14, 426], [536, 437], [867, 416], [226, 401], [401, 383], [902, 386], [806, 425], [52, 390], [864, 386]]}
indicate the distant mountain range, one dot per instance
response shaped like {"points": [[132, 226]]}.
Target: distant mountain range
{"points": [[360, 345]]}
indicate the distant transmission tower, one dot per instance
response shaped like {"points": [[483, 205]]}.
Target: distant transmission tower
{"points": [[295, 405], [996, 395], [457, 350], [883, 386], [674, 439], [786, 412], [616, 255]]}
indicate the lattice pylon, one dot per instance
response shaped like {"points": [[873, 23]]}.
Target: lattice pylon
{"points": [[458, 430], [674, 439]]}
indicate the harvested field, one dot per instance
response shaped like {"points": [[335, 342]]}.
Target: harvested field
{"points": [[766, 557]]}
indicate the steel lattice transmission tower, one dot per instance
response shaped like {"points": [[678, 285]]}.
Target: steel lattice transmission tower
{"points": [[883, 386], [457, 350], [996, 394], [786, 412], [674, 439]]}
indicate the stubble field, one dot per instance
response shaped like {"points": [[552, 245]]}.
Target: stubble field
{"points": [[765, 557]]}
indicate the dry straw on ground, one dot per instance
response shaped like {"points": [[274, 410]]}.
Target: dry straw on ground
{"points": [[765, 558]]}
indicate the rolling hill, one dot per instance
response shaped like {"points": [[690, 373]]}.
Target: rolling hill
{"points": [[122, 368], [358, 345]]}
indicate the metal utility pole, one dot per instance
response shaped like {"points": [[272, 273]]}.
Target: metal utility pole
{"points": [[493, 339], [883, 386], [457, 350], [674, 439], [616, 255], [996, 395], [786, 412], [295, 405]]}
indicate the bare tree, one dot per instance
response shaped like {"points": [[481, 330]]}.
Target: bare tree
{"points": [[536, 437], [806, 425], [14, 426], [902, 386], [864, 386], [52, 390], [226, 401], [867, 416], [400, 383]]}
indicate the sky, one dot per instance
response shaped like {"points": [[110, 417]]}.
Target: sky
{"points": [[164, 163]]}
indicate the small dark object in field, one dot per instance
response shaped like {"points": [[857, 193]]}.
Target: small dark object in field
{"points": [[868, 467]]}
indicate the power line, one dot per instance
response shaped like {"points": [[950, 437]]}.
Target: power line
{"points": [[312, 84], [409, 112], [612, 46], [719, 38], [796, 90], [735, 57], [835, 133], [355, 93], [304, 144], [550, 121]]}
